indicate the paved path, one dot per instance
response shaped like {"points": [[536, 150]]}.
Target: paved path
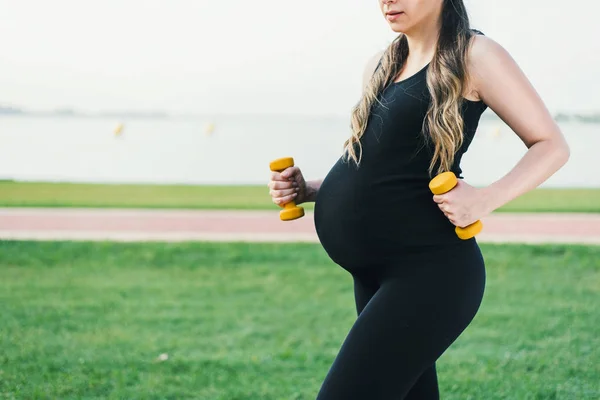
{"points": [[259, 226]]}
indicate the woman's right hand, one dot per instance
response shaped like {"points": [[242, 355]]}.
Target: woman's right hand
{"points": [[287, 186]]}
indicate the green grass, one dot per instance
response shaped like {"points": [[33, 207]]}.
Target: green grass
{"points": [[243, 321], [556, 200], [33, 194], [251, 197]]}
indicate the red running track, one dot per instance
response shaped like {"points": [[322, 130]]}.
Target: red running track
{"points": [[183, 225]]}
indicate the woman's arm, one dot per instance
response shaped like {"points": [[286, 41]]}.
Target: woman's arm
{"points": [[312, 188], [500, 83], [496, 79]]}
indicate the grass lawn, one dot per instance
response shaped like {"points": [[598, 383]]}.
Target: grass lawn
{"points": [[265, 321], [31, 194]]}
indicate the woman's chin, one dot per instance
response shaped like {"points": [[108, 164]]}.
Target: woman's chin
{"points": [[398, 28]]}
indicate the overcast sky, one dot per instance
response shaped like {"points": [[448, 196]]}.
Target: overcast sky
{"points": [[268, 56]]}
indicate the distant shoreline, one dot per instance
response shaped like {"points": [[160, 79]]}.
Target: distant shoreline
{"points": [[67, 113], [588, 118]]}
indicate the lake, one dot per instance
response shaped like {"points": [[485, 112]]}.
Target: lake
{"points": [[236, 149]]}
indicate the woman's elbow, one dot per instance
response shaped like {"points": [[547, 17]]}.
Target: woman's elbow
{"points": [[562, 152]]}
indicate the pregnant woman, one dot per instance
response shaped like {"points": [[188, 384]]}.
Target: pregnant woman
{"points": [[417, 285]]}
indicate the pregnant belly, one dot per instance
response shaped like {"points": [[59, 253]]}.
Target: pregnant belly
{"points": [[361, 220]]}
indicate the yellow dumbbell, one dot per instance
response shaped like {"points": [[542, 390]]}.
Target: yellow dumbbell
{"points": [[443, 183], [290, 210]]}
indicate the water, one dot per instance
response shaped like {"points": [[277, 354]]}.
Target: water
{"points": [[238, 151]]}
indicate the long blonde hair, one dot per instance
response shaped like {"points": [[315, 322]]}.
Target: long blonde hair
{"points": [[446, 80]]}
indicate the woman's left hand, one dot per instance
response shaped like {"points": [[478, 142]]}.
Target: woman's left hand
{"points": [[463, 205]]}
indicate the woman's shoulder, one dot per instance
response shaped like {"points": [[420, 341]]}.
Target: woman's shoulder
{"points": [[483, 49], [488, 64]]}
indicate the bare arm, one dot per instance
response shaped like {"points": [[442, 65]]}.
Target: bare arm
{"points": [[312, 187], [501, 84]]}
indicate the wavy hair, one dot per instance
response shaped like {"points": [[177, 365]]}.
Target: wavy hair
{"points": [[446, 80]]}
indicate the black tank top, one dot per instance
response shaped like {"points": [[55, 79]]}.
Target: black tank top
{"points": [[385, 203]]}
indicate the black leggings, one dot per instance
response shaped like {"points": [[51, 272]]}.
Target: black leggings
{"points": [[409, 313]]}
